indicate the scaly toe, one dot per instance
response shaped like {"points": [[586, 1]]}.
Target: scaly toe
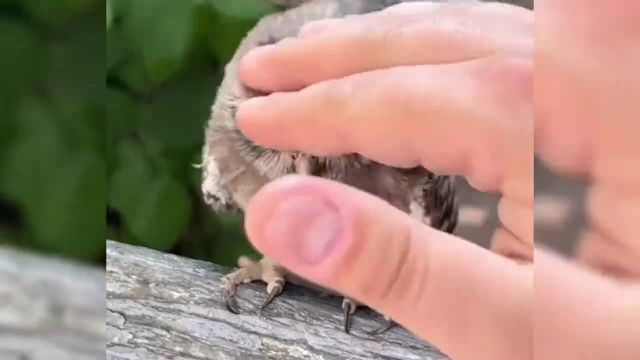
{"points": [[273, 290]]}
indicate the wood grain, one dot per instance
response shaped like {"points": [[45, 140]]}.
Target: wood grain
{"points": [[161, 306]]}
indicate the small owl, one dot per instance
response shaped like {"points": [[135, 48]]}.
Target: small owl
{"points": [[234, 168]]}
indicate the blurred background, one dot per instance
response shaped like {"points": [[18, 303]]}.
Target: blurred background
{"points": [[52, 148], [163, 60]]}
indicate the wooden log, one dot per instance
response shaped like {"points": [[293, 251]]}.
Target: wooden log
{"points": [[162, 306], [50, 308]]}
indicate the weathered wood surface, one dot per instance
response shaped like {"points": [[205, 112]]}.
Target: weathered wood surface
{"points": [[161, 306], [50, 309]]}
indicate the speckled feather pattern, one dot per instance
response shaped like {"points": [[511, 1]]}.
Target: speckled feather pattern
{"points": [[234, 168]]}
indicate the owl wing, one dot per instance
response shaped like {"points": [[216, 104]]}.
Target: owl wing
{"points": [[439, 201], [214, 191], [432, 198]]}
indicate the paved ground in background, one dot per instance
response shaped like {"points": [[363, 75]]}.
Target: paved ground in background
{"points": [[558, 211]]}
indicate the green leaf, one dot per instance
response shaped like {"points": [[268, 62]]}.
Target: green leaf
{"points": [[161, 30], [35, 153], [162, 214], [119, 7], [230, 22], [23, 60], [226, 33], [231, 241], [244, 9], [122, 115], [82, 125], [133, 172], [57, 183], [78, 62], [70, 217], [133, 73], [155, 208], [7, 135], [116, 50], [179, 110], [109, 14], [55, 13]]}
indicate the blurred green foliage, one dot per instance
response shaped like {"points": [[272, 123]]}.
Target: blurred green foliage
{"points": [[69, 144]]}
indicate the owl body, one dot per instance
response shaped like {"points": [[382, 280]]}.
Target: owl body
{"points": [[234, 168]]}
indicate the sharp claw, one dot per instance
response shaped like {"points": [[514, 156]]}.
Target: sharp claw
{"points": [[228, 296], [347, 311], [390, 324], [269, 299], [274, 292], [230, 301]]}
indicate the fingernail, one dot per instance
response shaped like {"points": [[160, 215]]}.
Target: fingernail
{"points": [[307, 227], [252, 67]]}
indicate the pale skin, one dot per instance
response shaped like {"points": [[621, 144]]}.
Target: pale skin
{"points": [[393, 98]]}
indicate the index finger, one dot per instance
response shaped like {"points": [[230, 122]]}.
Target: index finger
{"points": [[473, 119]]}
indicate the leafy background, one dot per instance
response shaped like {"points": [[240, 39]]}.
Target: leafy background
{"points": [[69, 144]]}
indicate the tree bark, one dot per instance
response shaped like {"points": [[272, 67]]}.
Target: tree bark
{"points": [[50, 308], [162, 306]]}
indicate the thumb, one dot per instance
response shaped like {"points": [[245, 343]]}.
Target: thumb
{"points": [[463, 299]]}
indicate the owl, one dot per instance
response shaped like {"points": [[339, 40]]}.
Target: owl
{"points": [[234, 168]]}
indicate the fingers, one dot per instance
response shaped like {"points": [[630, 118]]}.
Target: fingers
{"points": [[454, 119], [571, 132], [611, 244], [579, 315], [362, 247], [339, 47], [515, 239]]}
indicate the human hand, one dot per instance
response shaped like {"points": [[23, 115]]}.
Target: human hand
{"points": [[465, 111], [586, 87], [472, 97]]}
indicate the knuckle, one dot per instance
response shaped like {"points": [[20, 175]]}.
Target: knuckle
{"points": [[341, 93], [511, 76]]}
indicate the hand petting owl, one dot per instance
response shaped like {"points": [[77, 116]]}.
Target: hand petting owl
{"points": [[235, 168]]}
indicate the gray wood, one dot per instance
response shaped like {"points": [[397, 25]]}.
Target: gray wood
{"points": [[162, 306], [50, 309]]}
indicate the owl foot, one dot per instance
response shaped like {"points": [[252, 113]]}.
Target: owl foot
{"points": [[250, 271], [350, 306]]}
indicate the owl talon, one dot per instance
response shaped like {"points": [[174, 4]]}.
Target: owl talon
{"points": [[348, 308], [229, 292], [247, 272], [231, 303], [273, 289]]}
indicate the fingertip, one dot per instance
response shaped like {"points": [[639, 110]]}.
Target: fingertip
{"points": [[273, 67], [300, 222], [253, 68], [248, 115], [261, 205]]}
